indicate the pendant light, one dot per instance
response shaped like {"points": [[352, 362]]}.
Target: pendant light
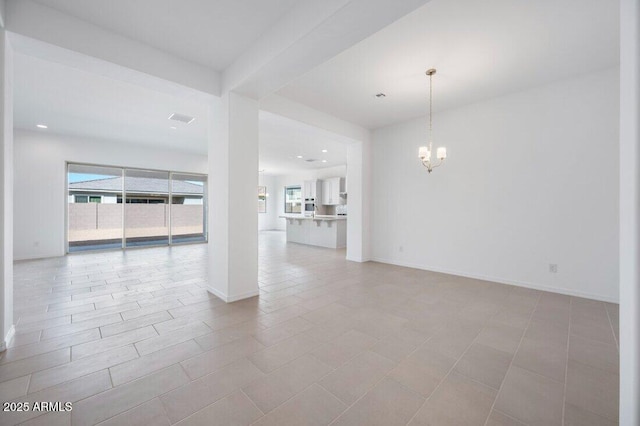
{"points": [[424, 153]]}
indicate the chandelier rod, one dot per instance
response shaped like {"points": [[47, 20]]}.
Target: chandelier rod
{"points": [[430, 73]]}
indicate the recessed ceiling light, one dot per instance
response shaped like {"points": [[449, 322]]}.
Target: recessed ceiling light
{"points": [[42, 126], [324, 150], [173, 127], [380, 95], [298, 156], [324, 161]]}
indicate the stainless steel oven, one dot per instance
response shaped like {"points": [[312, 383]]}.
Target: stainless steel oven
{"points": [[309, 206]]}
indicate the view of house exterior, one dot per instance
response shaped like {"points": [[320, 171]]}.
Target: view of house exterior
{"points": [[95, 212]]}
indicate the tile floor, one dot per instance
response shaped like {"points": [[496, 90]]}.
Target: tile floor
{"points": [[134, 338]]}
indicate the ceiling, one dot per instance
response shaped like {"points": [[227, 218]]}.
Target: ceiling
{"points": [[208, 32], [282, 140], [74, 102], [84, 104], [481, 49]]}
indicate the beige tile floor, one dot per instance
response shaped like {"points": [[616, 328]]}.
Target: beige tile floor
{"points": [[134, 338]]}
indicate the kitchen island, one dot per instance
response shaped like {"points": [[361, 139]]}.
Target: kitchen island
{"points": [[319, 230]]}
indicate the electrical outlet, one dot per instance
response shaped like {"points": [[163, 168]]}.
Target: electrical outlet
{"points": [[553, 268], [400, 249]]}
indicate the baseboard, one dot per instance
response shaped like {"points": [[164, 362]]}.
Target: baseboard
{"points": [[7, 338], [247, 295], [230, 299], [516, 283], [20, 258], [359, 259]]}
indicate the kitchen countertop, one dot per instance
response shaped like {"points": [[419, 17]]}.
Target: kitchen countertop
{"points": [[317, 217]]}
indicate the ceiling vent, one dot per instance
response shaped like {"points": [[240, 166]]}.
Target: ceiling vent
{"points": [[181, 118], [310, 160]]}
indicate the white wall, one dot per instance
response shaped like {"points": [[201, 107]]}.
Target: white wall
{"points": [[531, 179], [39, 184], [7, 328], [629, 212], [297, 179], [268, 221]]}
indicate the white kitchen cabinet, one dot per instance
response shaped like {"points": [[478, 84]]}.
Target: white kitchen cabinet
{"points": [[312, 189], [331, 189], [326, 192]]}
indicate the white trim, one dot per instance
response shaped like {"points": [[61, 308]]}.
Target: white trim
{"points": [[229, 299], [243, 296], [359, 259], [217, 293], [568, 292], [7, 338]]}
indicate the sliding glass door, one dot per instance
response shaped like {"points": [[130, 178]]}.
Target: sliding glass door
{"points": [[188, 216], [111, 207], [94, 215], [146, 211]]}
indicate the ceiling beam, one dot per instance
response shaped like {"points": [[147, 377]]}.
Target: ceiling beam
{"points": [[52, 53], [308, 35], [45, 24]]}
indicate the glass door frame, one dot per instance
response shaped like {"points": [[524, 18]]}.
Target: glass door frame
{"points": [[123, 169]]}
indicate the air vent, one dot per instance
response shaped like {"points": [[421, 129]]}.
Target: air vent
{"points": [[310, 160], [181, 118]]}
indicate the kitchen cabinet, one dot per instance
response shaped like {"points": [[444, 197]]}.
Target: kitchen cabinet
{"points": [[331, 189], [311, 189]]}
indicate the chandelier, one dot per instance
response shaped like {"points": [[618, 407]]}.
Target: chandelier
{"points": [[425, 152]]}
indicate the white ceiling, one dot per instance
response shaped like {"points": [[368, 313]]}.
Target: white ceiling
{"points": [[84, 104], [209, 32], [74, 102], [282, 140], [481, 49]]}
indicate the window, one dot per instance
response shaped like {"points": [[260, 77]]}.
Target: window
{"points": [[95, 199], [292, 199], [82, 199]]}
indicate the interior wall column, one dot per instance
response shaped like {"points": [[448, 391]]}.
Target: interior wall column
{"points": [[630, 212], [6, 191], [359, 200], [233, 199]]}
